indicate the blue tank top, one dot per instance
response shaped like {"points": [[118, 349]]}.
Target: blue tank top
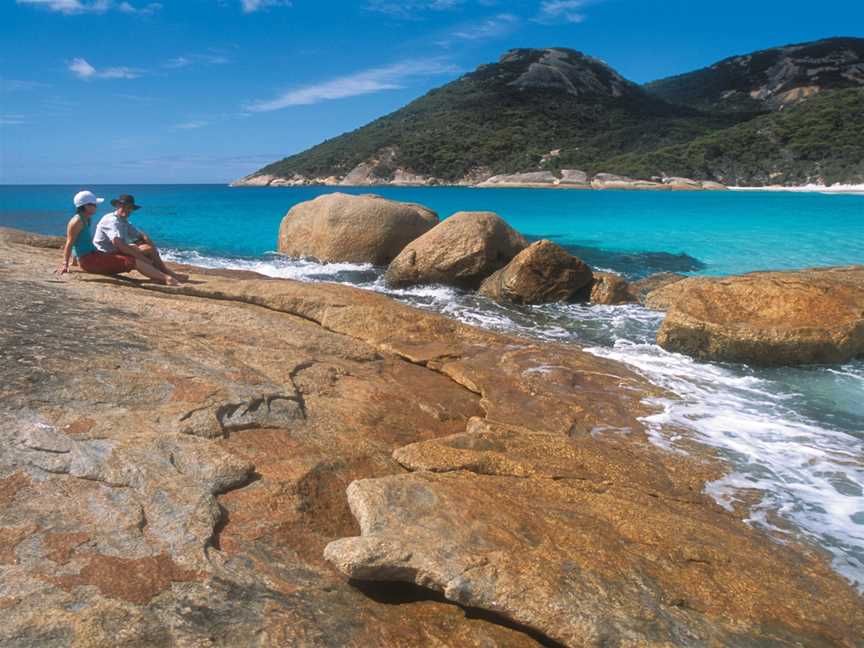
{"points": [[83, 244]]}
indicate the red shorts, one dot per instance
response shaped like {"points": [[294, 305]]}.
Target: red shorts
{"points": [[101, 263]]}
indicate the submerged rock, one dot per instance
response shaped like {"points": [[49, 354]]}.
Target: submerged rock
{"points": [[461, 251], [357, 229], [766, 318], [541, 273]]}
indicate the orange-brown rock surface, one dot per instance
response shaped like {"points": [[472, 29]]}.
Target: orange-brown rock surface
{"points": [[358, 229], [173, 463], [461, 251], [543, 272], [766, 318], [610, 290]]}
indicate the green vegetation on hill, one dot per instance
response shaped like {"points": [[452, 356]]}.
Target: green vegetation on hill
{"points": [[787, 115], [767, 79], [482, 120], [819, 140]]}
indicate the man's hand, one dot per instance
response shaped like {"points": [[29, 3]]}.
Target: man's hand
{"points": [[63, 268]]}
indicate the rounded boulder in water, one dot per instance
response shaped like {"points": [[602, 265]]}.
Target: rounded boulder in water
{"points": [[541, 273], [461, 251], [340, 227]]}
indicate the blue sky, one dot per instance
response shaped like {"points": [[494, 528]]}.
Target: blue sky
{"points": [[102, 91]]}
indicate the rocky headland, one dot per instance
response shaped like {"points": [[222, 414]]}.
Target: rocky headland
{"points": [[559, 118], [244, 461]]}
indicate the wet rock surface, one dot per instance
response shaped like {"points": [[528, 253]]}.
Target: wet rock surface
{"points": [[766, 318], [118, 526]]}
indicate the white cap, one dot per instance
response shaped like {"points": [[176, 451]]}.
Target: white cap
{"points": [[86, 198]]}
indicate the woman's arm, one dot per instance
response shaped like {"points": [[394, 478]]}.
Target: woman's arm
{"points": [[72, 230]]}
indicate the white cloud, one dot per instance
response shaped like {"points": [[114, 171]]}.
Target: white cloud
{"points": [[188, 60], [493, 27], [70, 7], [83, 70], [251, 6], [389, 77], [146, 10], [557, 11], [191, 125], [410, 8]]}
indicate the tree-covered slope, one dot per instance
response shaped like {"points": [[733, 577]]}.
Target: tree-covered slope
{"points": [[768, 79], [505, 117], [818, 141], [785, 115]]}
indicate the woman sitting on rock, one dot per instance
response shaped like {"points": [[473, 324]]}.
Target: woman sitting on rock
{"points": [[79, 238]]}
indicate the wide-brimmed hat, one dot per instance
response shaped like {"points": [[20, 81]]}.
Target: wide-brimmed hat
{"points": [[126, 201], [86, 198]]}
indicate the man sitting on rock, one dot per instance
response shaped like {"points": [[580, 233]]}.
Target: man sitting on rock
{"points": [[116, 235]]}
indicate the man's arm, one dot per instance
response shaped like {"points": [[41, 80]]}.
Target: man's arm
{"points": [[128, 250], [136, 235]]}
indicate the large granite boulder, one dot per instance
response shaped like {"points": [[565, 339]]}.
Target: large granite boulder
{"points": [[766, 318], [358, 229], [541, 273], [461, 251]]}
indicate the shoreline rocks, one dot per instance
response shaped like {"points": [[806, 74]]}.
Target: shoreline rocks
{"points": [[460, 251], [364, 176], [541, 273], [766, 318], [340, 227], [610, 290], [534, 491]]}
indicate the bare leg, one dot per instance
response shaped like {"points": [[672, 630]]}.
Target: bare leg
{"points": [[151, 272], [153, 254]]}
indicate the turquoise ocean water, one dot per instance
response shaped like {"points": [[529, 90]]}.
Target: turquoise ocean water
{"points": [[794, 435]]}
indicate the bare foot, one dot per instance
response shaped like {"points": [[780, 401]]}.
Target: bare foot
{"points": [[171, 281]]}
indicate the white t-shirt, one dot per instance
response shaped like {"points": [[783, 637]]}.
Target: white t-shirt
{"points": [[111, 226]]}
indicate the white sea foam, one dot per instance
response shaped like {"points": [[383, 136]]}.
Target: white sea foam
{"points": [[275, 266], [805, 471]]}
